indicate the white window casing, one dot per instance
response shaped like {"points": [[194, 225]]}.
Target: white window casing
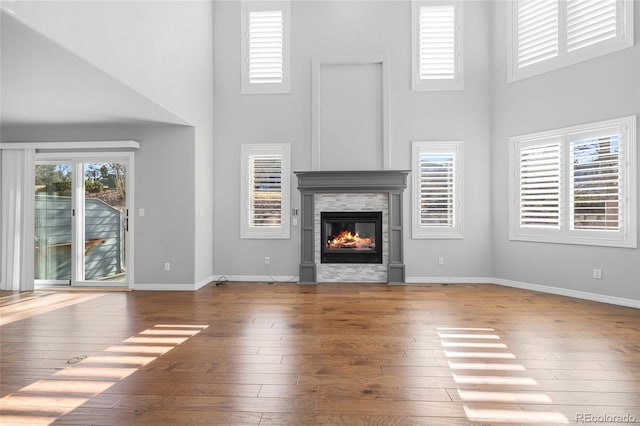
{"points": [[437, 190], [545, 35], [575, 185], [265, 59], [264, 191], [436, 45]]}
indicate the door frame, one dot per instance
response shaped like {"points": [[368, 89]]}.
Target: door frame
{"points": [[77, 256]]}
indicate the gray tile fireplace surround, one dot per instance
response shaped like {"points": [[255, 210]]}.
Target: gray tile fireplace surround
{"points": [[390, 182]]}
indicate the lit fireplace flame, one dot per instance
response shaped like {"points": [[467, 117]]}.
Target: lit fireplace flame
{"points": [[346, 239]]}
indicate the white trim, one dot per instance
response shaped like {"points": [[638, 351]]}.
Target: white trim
{"points": [[165, 287], [621, 301], [257, 278], [316, 68], [176, 286], [450, 280], [130, 144]]}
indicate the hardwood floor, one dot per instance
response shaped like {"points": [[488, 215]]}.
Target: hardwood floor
{"points": [[347, 354]]}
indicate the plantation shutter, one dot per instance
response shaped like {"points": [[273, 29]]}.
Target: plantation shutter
{"points": [[540, 186], [537, 31], [590, 22], [266, 190], [595, 183], [437, 190], [436, 42], [266, 47]]}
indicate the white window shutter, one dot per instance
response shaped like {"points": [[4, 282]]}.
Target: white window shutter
{"points": [[266, 47], [590, 22], [547, 35], [576, 185], [537, 31], [265, 202], [436, 37], [540, 186], [595, 183], [265, 193], [437, 202], [437, 190]]}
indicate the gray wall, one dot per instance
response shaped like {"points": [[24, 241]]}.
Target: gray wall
{"points": [[162, 50], [599, 89], [351, 29], [164, 176]]}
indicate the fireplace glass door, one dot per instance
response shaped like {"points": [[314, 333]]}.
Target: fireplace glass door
{"points": [[351, 237]]}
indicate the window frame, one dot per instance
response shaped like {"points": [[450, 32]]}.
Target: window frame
{"points": [[457, 83], [282, 231], [248, 6], [626, 236], [419, 231], [622, 40]]}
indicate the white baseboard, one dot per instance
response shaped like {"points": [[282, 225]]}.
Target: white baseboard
{"points": [[174, 286], [257, 278], [449, 280], [613, 300], [164, 287], [528, 286], [410, 280]]}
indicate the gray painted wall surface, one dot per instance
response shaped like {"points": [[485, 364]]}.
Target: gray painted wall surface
{"points": [[164, 176], [164, 51], [599, 89], [351, 29]]}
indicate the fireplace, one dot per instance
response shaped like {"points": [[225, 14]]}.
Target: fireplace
{"points": [[351, 237], [348, 191]]}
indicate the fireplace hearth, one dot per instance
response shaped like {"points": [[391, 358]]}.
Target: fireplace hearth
{"points": [[351, 237]]}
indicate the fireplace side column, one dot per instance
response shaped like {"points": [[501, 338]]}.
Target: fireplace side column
{"points": [[307, 249], [395, 267]]}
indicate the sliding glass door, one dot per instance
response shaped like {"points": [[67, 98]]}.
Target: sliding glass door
{"points": [[81, 221], [53, 222]]}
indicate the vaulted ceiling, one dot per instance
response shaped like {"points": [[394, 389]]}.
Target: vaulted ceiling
{"points": [[41, 82]]}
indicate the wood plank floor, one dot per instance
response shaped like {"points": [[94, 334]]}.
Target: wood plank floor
{"points": [[346, 354]]}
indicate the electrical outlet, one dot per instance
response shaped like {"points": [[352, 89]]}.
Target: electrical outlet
{"points": [[441, 260], [597, 274], [266, 260], [167, 266]]}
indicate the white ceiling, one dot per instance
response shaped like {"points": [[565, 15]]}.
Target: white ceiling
{"points": [[41, 82]]}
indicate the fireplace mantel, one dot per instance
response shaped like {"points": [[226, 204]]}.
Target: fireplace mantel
{"points": [[392, 182]]}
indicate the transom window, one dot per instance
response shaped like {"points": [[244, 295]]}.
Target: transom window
{"points": [[265, 47], [437, 45], [551, 34]]}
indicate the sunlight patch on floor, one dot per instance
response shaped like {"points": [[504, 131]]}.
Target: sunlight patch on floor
{"points": [[44, 402], [37, 305], [476, 361]]}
